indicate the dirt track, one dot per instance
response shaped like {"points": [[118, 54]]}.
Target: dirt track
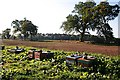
{"points": [[68, 46]]}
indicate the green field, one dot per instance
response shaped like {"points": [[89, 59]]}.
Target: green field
{"points": [[19, 67]]}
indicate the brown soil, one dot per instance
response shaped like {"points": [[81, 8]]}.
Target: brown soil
{"points": [[67, 46]]}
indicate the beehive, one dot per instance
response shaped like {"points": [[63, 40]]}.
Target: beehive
{"points": [[86, 62], [72, 59], [16, 50], [34, 54], [83, 60], [2, 47], [46, 55]]}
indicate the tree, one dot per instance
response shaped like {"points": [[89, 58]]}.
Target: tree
{"points": [[103, 13], [25, 27], [81, 20], [6, 33], [89, 16], [16, 25]]}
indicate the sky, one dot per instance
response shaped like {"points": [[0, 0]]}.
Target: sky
{"points": [[48, 15]]}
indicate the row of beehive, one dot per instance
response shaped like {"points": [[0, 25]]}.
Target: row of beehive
{"points": [[34, 54], [81, 60]]}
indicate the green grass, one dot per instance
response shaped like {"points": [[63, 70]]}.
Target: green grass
{"points": [[19, 67]]}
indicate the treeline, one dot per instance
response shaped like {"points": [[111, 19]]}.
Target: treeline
{"points": [[51, 36], [89, 38]]}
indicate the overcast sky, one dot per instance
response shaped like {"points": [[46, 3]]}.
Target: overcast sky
{"points": [[48, 15]]}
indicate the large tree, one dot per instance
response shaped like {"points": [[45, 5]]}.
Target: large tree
{"points": [[6, 33], [103, 13], [80, 21], [25, 27], [89, 16]]}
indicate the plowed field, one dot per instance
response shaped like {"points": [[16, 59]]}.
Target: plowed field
{"points": [[67, 46]]}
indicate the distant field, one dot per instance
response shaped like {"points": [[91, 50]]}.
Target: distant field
{"points": [[67, 46]]}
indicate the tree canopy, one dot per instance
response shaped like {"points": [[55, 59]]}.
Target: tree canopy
{"points": [[6, 33], [89, 16], [25, 27]]}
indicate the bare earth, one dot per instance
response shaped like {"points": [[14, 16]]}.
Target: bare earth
{"points": [[67, 46]]}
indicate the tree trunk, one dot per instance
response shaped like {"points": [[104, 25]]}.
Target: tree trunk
{"points": [[82, 35], [31, 37]]}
